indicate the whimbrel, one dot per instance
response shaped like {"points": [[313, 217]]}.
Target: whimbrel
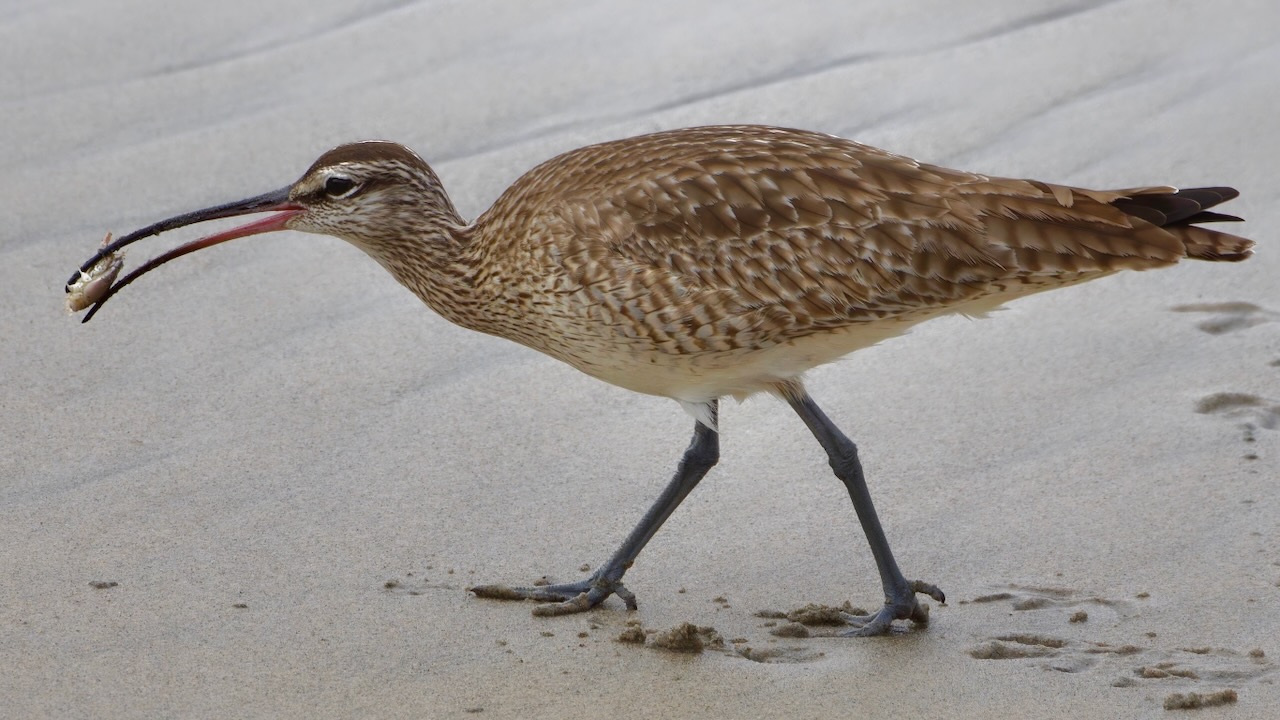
{"points": [[718, 261]]}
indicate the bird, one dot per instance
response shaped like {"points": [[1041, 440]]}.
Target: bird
{"points": [[717, 262]]}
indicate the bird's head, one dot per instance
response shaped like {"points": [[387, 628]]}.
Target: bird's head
{"points": [[373, 194], [366, 193]]}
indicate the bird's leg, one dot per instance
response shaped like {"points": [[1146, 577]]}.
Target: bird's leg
{"points": [[899, 593], [702, 454]]}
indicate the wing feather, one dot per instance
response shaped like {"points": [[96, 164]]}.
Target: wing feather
{"points": [[746, 236]]}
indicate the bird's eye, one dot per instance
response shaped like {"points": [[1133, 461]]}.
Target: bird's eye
{"points": [[337, 186]]}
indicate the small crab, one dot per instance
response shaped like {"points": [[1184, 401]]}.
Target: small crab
{"points": [[94, 283]]}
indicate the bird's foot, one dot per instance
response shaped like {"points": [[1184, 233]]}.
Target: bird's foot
{"points": [[564, 598], [901, 605]]}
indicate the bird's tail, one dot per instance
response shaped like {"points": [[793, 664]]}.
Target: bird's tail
{"points": [[1181, 212]]}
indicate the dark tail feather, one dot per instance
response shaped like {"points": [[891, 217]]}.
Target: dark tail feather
{"points": [[1180, 212], [1183, 207]]}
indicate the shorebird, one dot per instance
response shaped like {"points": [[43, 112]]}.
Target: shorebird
{"points": [[716, 262]]}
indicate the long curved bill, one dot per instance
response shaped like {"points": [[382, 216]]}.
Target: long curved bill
{"points": [[89, 284]]}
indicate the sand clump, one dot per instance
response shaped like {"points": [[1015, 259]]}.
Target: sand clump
{"points": [[688, 638], [1194, 700], [791, 630], [683, 638], [632, 636], [1164, 670], [815, 614]]}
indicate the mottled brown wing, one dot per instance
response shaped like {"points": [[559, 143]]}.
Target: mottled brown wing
{"points": [[744, 236]]}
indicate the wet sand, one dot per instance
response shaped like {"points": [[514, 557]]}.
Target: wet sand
{"points": [[259, 482]]}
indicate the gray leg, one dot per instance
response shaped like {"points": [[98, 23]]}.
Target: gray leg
{"points": [[899, 593], [703, 453]]}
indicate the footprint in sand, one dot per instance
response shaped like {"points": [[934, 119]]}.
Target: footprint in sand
{"points": [[1203, 672], [1256, 411], [1249, 412], [1228, 316], [1025, 597]]}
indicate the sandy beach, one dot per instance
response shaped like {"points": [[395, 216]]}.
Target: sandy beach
{"points": [[259, 483]]}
